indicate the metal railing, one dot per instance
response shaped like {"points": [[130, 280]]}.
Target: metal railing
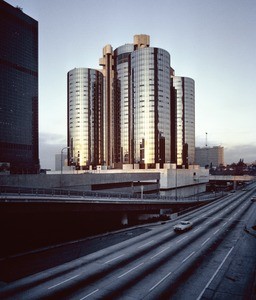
{"points": [[21, 191]]}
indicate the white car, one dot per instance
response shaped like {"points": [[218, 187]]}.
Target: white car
{"points": [[183, 226]]}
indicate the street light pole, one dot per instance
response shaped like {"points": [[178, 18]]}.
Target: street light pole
{"points": [[176, 183]]}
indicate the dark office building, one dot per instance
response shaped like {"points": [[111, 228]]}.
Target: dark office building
{"points": [[18, 90]]}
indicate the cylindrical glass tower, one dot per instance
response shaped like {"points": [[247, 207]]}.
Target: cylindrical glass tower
{"points": [[150, 97], [122, 102], [185, 119], [85, 117]]}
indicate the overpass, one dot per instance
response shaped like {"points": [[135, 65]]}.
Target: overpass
{"points": [[241, 178], [36, 220], [63, 201], [231, 180]]}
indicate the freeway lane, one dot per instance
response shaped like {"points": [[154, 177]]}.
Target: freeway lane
{"points": [[158, 263]]}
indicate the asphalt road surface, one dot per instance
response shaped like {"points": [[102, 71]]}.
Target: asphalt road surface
{"points": [[214, 260]]}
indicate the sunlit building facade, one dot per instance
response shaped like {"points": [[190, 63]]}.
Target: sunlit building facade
{"points": [[150, 99], [110, 112], [145, 115], [85, 117], [142, 103], [123, 104], [18, 90], [183, 138]]}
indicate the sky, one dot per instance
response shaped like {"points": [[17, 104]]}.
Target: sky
{"points": [[211, 41]]}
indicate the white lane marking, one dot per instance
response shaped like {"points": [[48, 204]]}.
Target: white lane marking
{"points": [[205, 241], [146, 244], [167, 233], [188, 257], [230, 219], [89, 294], [197, 229], [224, 224], [209, 282], [113, 259], [160, 281], [208, 222], [216, 231], [195, 219], [182, 239], [51, 287], [130, 270], [159, 252]]}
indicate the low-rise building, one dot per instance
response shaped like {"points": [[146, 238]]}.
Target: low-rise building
{"points": [[209, 156]]}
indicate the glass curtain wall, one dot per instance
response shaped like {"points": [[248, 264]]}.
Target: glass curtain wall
{"points": [[189, 116], [150, 96], [85, 117], [122, 103], [18, 90], [185, 119]]}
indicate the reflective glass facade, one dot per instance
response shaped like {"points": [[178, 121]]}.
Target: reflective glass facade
{"points": [[85, 117], [18, 90], [110, 110], [150, 101], [148, 113], [184, 120], [123, 103]]}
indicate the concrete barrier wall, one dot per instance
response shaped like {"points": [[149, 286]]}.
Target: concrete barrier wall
{"points": [[77, 181]]}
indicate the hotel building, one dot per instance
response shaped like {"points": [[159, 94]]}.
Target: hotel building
{"points": [[146, 117]]}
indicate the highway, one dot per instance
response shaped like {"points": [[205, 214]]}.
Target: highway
{"points": [[214, 260]]}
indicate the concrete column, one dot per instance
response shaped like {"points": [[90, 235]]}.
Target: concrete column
{"points": [[234, 185]]}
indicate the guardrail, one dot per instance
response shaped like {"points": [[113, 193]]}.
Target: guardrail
{"points": [[4, 190]]}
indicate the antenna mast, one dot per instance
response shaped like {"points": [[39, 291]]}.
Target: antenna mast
{"points": [[206, 139]]}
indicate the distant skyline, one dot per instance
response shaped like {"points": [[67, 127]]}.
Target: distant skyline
{"points": [[212, 42]]}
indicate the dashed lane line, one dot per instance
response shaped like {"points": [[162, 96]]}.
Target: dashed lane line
{"points": [[144, 245], [159, 252], [205, 241], [51, 287], [181, 239], [153, 287], [106, 262], [130, 270], [188, 257], [89, 294]]}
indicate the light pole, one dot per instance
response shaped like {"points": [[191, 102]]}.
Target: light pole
{"points": [[176, 183], [61, 163]]}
